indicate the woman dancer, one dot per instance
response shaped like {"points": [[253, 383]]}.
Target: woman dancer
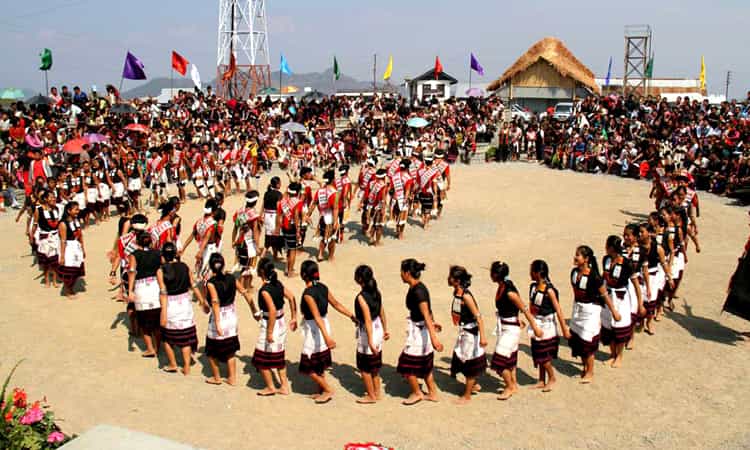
{"points": [[545, 305], [508, 304], [619, 277], [47, 219], [270, 348], [143, 288], [316, 331], [372, 331], [221, 337], [72, 253], [632, 251], [586, 322], [177, 320], [468, 353], [658, 271], [417, 358]]}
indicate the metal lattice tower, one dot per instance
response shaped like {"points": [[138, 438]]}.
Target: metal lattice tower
{"points": [[637, 53], [243, 32]]}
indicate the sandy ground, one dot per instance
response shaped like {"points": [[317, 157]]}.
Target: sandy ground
{"points": [[684, 387]]}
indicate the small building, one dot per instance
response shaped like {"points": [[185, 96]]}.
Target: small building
{"points": [[546, 74], [427, 86]]}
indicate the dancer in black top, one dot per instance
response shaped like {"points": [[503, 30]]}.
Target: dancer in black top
{"points": [[316, 331], [545, 307], [177, 319], [372, 331], [468, 354], [619, 277], [271, 346], [143, 288], [417, 358]]}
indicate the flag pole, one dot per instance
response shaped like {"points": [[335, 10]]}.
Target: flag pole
{"points": [[171, 82], [46, 84]]}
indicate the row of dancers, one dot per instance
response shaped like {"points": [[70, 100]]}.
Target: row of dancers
{"points": [[636, 277]]}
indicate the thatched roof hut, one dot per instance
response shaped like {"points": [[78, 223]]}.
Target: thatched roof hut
{"points": [[547, 70]]}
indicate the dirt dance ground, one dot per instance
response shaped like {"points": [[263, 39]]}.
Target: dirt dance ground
{"points": [[685, 387]]}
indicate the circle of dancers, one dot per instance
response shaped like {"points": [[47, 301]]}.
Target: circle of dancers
{"points": [[627, 290]]}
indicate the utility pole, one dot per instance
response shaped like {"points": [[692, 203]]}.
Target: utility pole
{"points": [[729, 80], [374, 75]]}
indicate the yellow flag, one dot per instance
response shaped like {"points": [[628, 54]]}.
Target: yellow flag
{"points": [[388, 69], [703, 73]]}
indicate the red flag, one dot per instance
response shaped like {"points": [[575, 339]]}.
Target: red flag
{"points": [[231, 70], [179, 63], [438, 67]]}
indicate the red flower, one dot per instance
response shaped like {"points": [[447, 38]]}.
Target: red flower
{"points": [[19, 398], [9, 415]]}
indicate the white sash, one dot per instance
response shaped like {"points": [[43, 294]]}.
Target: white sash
{"points": [[418, 341], [204, 270], [179, 312], [508, 336], [377, 337], [467, 345], [228, 316], [279, 336], [586, 320], [313, 341], [146, 294]]}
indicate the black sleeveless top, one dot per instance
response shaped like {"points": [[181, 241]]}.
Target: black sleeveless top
{"points": [[176, 277], [373, 305], [465, 316], [72, 228], [541, 300], [617, 275], [276, 291], [417, 294], [653, 255], [48, 219], [319, 293], [504, 305], [147, 263], [226, 288], [586, 289], [635, 257]]}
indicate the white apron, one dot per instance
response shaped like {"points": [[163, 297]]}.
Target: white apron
{"points": [[656, 282], [48, 245], [312, 338], [92, 194], [548, 325], [508, 335], [363, 346], [279, 335], [228, 316], [179, 312], [80, 198], [634, 296], [418, 341], [104, 192], [118, 190], [622, 306], [134, 184], [146, 292], [586, 320], [678, 265], [467, 343], [73, 254], [269, 222]]}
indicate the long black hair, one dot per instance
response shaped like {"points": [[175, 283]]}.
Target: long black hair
{"points": [[499, 271], [66, 212], [588, 253], [540, 266], [363, 275], [461, 275], [412, 267], [615, 243], [309, 271], [267, 270]]}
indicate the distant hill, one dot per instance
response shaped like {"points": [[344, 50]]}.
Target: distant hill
{"points": [[320, 81]]}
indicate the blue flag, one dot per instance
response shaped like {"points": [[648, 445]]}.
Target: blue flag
{"points": [[284, 66], [609, 72]]}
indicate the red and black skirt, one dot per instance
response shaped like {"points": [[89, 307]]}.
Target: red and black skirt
{"points": [[370, 363], [315, 363], [149, 320], [222, 349], [263, 360], [544, 351], [418, 366], [582, 348], [181, 338]]}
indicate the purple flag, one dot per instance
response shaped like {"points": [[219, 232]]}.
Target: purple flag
{"points": [[476, 66], [133, 69]]}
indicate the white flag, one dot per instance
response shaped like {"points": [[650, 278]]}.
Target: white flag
{"points": [[195, 76]]}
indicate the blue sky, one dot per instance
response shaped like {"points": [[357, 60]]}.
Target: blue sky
{"points": [[89, 38]]}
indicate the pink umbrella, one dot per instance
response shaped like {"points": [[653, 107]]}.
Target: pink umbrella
{"points": [[138, 128], [474, 92], [95, 138]]}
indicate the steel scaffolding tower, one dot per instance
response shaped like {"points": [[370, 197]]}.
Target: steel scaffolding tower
{"points": [[243, 32], [637, 54]]}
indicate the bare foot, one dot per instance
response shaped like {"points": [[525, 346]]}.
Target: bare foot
{"points": [[616, 363], [185, 371], [148, 355], [432, 398], [231, 382], [170, 369], [506, 394], [214, 381], [587, 379], [461, 401], [324, 398], [477, 388], [366, 400], [539, 385], [548, 387], [413, 399], [267, 392], [630, 346], [314, 396], [283, 390]]}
